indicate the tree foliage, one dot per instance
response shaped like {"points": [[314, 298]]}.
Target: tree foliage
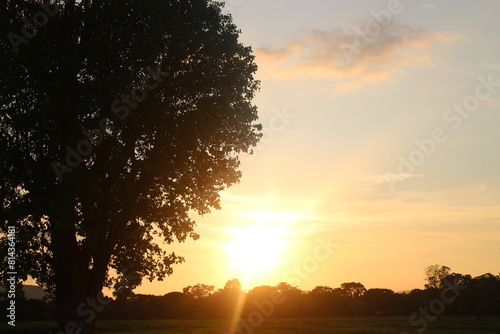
{"points": [[117, 120], [199, 291], [435, 274], [353, 289]]}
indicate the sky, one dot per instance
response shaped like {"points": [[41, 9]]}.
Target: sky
{"points": [[380, 154]]}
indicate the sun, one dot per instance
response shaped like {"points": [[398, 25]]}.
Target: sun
{"points": [[259, 246], [255, 248]]}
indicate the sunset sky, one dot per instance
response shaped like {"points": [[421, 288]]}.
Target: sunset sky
{"points": [[381, 141]]}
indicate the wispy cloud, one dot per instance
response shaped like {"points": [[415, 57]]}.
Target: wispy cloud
{"points": [[351, 55]]}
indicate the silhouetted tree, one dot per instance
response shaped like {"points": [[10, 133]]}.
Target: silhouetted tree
{"points": [[232, 286], [353, 289], [293, 297], [434, 275], [457, 279], [226, 299], [199, 291], [173, 305], [379, 301], [288, 289], [325, 301], [261, 295], [483, 293], [262, 291], [117, 119], [322, 290]]}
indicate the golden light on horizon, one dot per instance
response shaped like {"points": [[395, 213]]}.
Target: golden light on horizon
{"points": [[258, 247]]}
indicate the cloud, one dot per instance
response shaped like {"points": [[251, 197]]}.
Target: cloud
{"points": [[367, 53], [449, 37]]}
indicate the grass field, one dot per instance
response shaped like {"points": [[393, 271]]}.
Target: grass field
{"points": [[361, 325]]}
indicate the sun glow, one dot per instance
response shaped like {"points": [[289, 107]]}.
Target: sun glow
{"points": [[259, 246]]}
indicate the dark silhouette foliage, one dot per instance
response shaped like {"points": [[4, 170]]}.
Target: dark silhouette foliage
{"points": [[480, 297], [117, 119]]}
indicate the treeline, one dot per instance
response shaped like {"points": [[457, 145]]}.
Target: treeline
{"points": [[455, 294], [445, 294]]}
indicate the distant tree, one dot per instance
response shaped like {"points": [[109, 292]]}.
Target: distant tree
{"points": [[382, 291], [462, 304], [233, 286], [225, 300], [263, 290], [374, 293], [174, 305], [293, 300], [379, 301], [117, 119], [259, 295], [483, 293], [123, 292], [434, 275], [322, 290], [458, 279], [288, 289], [324, 301], [353, 289], [199, 291]]}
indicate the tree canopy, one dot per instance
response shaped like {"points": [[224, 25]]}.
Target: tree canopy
{"points": [[435, 274], [117, 120]]}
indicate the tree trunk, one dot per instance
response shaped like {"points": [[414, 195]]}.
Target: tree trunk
{"points": [[79, 301], [78, 288], [75, 320], [77, 304]]}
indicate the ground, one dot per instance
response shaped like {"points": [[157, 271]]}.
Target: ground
{"points": [[358, 325]]}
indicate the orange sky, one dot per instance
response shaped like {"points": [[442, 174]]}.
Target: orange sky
{"points": [[338, 128]]}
